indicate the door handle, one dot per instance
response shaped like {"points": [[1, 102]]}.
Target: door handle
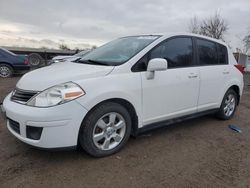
{"points": [[225, 72], [192, 75]]}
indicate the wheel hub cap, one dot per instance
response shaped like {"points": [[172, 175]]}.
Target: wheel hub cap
{"points": [[4, 71], [109, 131], [229, 105]]}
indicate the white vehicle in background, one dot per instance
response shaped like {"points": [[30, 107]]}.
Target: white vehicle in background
{"points": [[62, 58], [122, 88]]}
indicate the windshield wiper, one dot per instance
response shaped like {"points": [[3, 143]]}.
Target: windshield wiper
{"points": [[92, 62]]}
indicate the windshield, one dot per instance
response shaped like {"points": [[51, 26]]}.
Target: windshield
{"points": [[118, 51]]}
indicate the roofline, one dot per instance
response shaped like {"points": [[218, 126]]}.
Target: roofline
{"points": [[172, 34], [194, 35]]}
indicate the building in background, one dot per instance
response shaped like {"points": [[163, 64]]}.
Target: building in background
{"points": [[243, 60]]}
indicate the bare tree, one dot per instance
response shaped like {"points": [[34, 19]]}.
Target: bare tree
{"points": [[194, 25], [214, 27], [64, 47], [246, 42]]}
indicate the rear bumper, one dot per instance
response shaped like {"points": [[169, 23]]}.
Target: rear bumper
{"points": [[60, 124]]}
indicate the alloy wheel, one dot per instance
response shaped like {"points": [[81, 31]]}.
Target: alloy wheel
{"points": [[109, 131], [5, 71], [230, 104]]}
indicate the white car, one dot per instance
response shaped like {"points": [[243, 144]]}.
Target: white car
{"points": [[124, 87], [62, 58]]}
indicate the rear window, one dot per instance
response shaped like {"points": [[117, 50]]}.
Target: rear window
{"points": [[211, 53]]}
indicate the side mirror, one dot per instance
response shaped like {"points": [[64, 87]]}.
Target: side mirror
{"points": [[156, 64]]}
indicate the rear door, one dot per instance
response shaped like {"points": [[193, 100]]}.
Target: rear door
{"points": [[174, 92], [214, 73]]}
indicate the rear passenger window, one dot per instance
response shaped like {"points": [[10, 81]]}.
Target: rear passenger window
{"points": [[178, 52], [222, 54], [207, 52], [211, 53]]}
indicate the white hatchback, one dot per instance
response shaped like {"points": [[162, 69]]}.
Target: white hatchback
{"points": [[126, 86]]}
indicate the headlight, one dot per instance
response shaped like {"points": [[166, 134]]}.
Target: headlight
{"points": [[56, 95]]}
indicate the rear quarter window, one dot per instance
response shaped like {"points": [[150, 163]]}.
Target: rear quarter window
{"points": [[222, 54], [211, 53]]}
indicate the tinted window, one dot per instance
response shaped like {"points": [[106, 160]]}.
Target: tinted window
{"points": [[222, 54], [207, 52], [178, 52]]}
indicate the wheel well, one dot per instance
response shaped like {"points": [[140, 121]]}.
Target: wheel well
{"points": [[7, 64], [237, 90], [129, 107]]}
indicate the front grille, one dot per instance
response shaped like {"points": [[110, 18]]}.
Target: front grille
{"points": [[22, 95], [14, 125]]}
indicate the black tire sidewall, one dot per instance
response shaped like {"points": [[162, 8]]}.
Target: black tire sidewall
{"points": [[37, 57], [86, 131], [9, 67]]}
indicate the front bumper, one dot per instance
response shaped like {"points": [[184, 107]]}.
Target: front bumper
{"points": [[60, 124], [3, 112]]}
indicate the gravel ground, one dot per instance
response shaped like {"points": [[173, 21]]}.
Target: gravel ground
{"points": [[201, 152]]}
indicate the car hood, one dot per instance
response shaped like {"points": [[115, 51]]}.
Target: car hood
{"points": [[46, 77]]}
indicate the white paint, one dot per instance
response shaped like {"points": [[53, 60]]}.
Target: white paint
{"points": [[170, 93]]}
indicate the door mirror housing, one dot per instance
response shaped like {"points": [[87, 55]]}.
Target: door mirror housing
{"points": [[156, 64]]}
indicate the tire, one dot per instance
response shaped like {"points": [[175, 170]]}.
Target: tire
{"points": [[105, 130], [35, 60], [6, 71], [228, 105]]}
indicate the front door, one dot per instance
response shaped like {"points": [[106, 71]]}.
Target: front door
{"points": [[173, 92]]}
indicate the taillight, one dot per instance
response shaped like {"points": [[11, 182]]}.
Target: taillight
{"points": [[240, 68], [26, 62]]}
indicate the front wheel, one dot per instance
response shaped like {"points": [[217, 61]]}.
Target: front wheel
{"points": [[228, 105], [105, 130]]}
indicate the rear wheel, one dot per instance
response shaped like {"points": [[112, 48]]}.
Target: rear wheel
{"points": [[6, 71], [228, 105], [35, 60], [105, 130]]}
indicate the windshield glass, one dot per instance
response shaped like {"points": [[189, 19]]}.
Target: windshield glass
{"points": [[119, 51]]}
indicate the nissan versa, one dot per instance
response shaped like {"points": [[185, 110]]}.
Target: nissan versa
{"points": [[128, 85]]}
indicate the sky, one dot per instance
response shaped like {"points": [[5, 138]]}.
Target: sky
{"points": [[84, 23]]}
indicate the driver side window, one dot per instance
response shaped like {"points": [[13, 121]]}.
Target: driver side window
{"points": [[178, 52]]}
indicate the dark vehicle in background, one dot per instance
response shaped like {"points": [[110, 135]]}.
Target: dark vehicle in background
{"points": [[75, 57], [39, 57], [11, 63]]}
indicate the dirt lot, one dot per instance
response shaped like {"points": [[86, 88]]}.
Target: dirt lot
{"points": [[202, 152]]}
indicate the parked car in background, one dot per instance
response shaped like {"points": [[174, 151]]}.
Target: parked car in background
{"points": [[129, 85], [39, 57], [11, 63], [75, 57]]}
